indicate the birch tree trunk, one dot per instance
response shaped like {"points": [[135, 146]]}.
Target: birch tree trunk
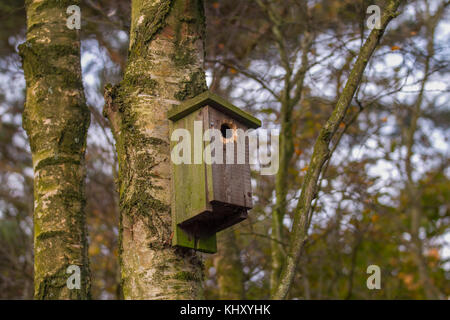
{"points": [[56, 120], [165, 66]]}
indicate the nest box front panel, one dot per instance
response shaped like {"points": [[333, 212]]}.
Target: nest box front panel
{"points": [[231, 181], [209, 197]]}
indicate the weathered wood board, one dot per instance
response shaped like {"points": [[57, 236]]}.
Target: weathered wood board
{"points": [[209, 197]]}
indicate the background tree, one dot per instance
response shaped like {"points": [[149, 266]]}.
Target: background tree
{"points": [[330, 17], [362, 214], [56, 119]]}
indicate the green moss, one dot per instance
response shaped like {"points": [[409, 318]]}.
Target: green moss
{"points": [[120, 251], [50, 288], [125, 290], [50, 234], [201, 23], [183, 56], [36, 25], [195, 18], [140, 82], [154, 20], [66, 137], [141, 203], [72, 138], [56, 121], [138, 154], [54, 286], [136, 204], [39, 60], [51, 161], [186, 276], [194, 86], [49, 4]]}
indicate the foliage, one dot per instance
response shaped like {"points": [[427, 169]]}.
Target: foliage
{"points": [[362, 215]]}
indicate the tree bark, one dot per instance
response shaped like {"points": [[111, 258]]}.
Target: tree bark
{"points": [[321, 153], [229, 269], [56, 120], [291, 82], [165, 67], [413, 192]]}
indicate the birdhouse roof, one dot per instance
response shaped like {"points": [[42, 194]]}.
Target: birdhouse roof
{"points": [[213, 100]]}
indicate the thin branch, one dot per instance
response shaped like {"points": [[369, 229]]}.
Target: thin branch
{"points": [[247, 74], [321, 152]]}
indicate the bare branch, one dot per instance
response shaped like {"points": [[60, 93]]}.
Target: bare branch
{"points": [[321, 152]]}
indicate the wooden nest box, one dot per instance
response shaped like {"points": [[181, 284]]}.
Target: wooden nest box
{"points": [[209, 196]]}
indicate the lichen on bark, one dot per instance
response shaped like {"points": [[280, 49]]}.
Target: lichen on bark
{"points": [[56, 120], [165, 66]]}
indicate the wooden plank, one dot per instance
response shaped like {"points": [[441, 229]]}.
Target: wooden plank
{"points": [[231, 182], [208, 98], [208, 197], [208, 167], [183, 239], [189, 196]]}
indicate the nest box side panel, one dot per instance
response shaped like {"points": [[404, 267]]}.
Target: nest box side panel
{"points": [[204, 244], [231, 182], [189, 189]]}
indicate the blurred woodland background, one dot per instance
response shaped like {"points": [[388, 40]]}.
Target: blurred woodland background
{"points": [[384, 198]]}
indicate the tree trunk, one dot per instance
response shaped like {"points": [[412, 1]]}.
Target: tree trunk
{"points": [[229, 269], [56, 120], [292, 82], [322, 153], [413, 192], [165, 66], [281, 189]]}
